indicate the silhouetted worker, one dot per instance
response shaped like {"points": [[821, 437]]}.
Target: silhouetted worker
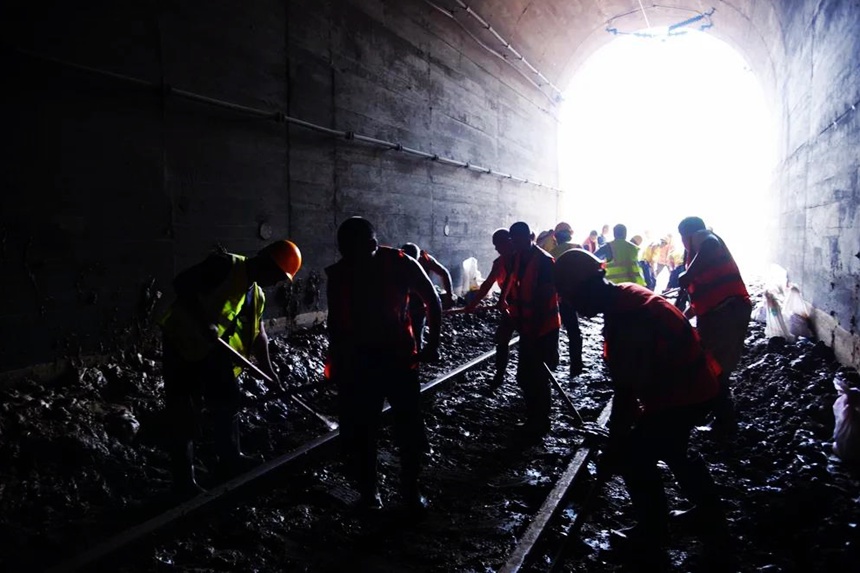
{"points": [[372, 353], [564, 236], [498, 275], [533, 306], [665, 384], [720, 303], [416, 307], [622, 258], [220, 298]]}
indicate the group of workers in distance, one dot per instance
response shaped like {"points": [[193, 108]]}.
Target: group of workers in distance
{"points": [[667, 375]]}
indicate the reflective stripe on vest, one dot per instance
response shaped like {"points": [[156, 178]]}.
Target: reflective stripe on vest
{"points": [[532, 317], [223, 306], [624, 267], [684, 373], [717, 283]]}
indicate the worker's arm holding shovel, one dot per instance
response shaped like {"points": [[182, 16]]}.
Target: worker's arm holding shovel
{"points": [[420, 284], [260, 349]]}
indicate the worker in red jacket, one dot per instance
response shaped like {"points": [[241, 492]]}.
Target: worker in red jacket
{"points": [[373, 356], [721, 304], [498, 275], [432, 267], [665, 384], [533, 307]]}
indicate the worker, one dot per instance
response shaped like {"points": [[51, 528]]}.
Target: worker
{"points": [[603, 238], [533, 306], [498, 275], [416, 307], [665, 384], [647, 275], [563, 235], [546, 240], [590, 242], [721, 304], [622, 258], [219, 298], [373, 355]]}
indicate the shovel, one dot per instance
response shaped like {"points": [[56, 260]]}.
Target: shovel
{"points": [[331, 424], [587, 428]]}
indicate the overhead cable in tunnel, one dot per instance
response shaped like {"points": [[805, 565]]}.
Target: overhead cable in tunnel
{"points": [[507, 45], [279, 116]]}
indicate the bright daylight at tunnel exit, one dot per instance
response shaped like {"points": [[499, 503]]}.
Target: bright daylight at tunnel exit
{"points": [[657, 127], [467, 286]]}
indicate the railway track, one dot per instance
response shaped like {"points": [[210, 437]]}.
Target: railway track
{"points": [[159, 534]]}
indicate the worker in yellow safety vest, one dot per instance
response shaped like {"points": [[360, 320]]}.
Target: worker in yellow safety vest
{"points": [[622, 258], [218, 301]]}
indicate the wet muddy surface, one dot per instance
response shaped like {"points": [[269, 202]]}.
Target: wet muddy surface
{"points": [[82, 458]]}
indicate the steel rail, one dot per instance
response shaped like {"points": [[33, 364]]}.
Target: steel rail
{"points": [[138, 533], [556, 497]]}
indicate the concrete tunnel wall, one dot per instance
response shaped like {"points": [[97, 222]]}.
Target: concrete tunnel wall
{"points": [[111, 188]]}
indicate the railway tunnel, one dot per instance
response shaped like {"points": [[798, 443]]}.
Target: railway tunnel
{"points": [[142, 136]]}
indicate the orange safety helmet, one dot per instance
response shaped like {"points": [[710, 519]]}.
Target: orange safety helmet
{"points": [[573, 268], [286, 256]]}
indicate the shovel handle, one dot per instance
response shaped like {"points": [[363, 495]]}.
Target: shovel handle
{"points": [[246, 363]]}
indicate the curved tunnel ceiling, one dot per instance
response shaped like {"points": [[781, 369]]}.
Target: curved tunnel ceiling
{"points": [[557, 36]]}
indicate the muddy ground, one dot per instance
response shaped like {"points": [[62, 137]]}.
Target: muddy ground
{"points": [[82, 457]]}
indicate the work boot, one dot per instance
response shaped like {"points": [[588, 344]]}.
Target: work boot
{"points": [[231, 460], [182, 462], [498, 380]]}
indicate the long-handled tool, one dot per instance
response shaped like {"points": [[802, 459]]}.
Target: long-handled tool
{"points": [[463, 309], [581, 425], [331, 424]]}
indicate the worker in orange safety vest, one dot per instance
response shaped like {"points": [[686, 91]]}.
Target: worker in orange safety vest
{"points": [[533, 306], [373, 356], [665, 384], [498, 275], [721, 304]]}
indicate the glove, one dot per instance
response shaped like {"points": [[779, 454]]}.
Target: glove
{"points": [[447, 301]]}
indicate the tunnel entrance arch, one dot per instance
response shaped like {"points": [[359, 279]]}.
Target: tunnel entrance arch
{"points": [[657, 128]]}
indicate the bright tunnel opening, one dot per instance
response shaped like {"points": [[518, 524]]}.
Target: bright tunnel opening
{"points": [[654, 130]]}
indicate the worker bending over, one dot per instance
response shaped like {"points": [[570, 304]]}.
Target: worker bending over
{"points": [[721, 305], [220, 298], [665, 384], [416, 307], [373, 355], [498, 275], [533, 306]]}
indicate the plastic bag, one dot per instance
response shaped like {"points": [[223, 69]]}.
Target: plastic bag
{"points": [[775, 321], [846, 411], [797, 314], [472, 278]]}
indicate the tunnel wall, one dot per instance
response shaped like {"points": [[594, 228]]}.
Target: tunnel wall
{"points": [[815, 191], [111, 187]]}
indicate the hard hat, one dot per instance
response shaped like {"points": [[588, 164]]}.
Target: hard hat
{"points": [[564, 227], [286, 256], [573, 268]]}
